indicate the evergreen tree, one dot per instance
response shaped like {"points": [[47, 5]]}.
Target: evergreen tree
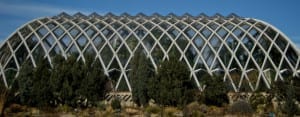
{"points": [[56, 79], [174, 86], [141, 71], [93, 84], [24, 82], [215, 92], [41, 88], [289, 106]]}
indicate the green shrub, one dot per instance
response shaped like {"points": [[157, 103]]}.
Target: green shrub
{"points": [[241, 107], [101, 105], [153, 109], [116, 104], [257, 99], [215, 92], [170, 111]]}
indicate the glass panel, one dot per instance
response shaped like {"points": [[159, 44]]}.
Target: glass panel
{"points": [[165, 42], [149, 42], [213, 25], [81, 41], [164, 25], [67, 25], [281, 43], [65, 41], [232, 42], [140, 32], [123, 55], [21, 54], [215, 42], [173, 32], [206, 33], [157, 54], [189, 32], [74, 32], [73, 50], [25, 31], [83, 25], [49, 41], [264, 42], [275, 55], [132, 25], [225, 56], [238, 32], [198, 41], [191, 55], [248, 43], [98, 42], [90, 51], [42, 32], [182, 42], [222, 33], [106, 55], [58, 32], [51, 25], [91, 32], [38, 52], [107, 32], [180, 25], [124, 32], [35, 24], [258, 55], [32, 41]]}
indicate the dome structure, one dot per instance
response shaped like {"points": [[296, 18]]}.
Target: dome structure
{"points": [[245, 51]]}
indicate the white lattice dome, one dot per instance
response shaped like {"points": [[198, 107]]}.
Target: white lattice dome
{"points": [[246, 51]]}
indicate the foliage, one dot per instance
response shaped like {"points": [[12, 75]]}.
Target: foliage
{"points": [[116, 104], [33, 83], [296, 84], [141, 71], [3, 97], [68, 82], [92, 86], [153, 109], [194, 110], [24, 83], [172, 86], [257, 99], [41, 90], [215, 92], [241, 107], [170, 111], [101, 105], [289, 106]]}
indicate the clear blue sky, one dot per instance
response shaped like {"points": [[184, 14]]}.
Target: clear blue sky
{"points": [[283, 14]]}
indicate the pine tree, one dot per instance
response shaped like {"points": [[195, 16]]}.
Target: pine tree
{"points": [[56, 78], [24, 82], [93, 84], [174, 86], [215, 92], [289, 106], [140, 73], [41, 87]]}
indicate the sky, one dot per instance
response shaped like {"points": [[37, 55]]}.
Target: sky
{"points": [[283, 14]]}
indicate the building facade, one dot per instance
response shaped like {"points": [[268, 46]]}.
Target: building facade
{"points": [[247, 52]]}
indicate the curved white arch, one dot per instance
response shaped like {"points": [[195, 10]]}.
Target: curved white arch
{"points": [[199, 37]]}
